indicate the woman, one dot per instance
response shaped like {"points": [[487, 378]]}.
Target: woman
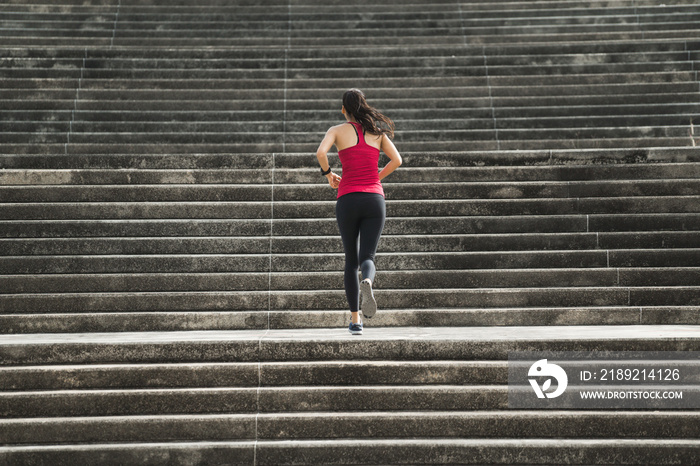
{"points": [[360, 208]]}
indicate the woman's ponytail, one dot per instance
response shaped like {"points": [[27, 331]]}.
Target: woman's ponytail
{"points": [[372, 121]]}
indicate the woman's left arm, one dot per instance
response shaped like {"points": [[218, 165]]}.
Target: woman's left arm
{"points": [[322, 156], [395, 160]]}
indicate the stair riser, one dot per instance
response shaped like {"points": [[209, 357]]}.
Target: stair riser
{"points": [[335, 262], [262, 453], [429, 128], [595, 162], [239, 148], [397, 209], [331, 245], [243, 400], [253, 374], [331, 87], [171, 285], [412, 174], [335, 300], [393, 66], [245, 320], [342, 349], [319, 192], [318, 426], [417, 226], [222, 100], [131, 25], [622, 49], [82, 283]]}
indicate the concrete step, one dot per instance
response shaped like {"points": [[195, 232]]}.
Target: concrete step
{"points": [[125, 147], [46, 404], [456, 298], [437, 21], [283, 215], [240, 26], [316, 192], [480, 424], [625, 51], [400, 344], [438, 56], [163, 111], [276, 71], [133, 321], [262, 173], [312, 452], [424, 279], [165, 234], [307, 110], [479, 161], [231, 263], [683, 85], [394, 226], [430, 129], [330, 244], [66, 38], [327, 373], [257, 79]]}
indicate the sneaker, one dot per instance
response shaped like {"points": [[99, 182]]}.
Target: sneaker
{"points": [[369, 305], [355, 329]]}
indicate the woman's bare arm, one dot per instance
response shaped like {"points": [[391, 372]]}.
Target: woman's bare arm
{"points": [[395, 160], [322, 156]]}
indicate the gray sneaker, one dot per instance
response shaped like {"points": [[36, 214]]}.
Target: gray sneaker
{"points": [[369, 304]]}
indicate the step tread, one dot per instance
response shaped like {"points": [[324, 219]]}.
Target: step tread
{"points": [[561, 333]]}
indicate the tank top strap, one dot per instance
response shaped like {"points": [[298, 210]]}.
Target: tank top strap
{"points": [[360, 132]]}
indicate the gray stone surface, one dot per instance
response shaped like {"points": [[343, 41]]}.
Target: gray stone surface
{"points": [[170, 268], [546, 333]]}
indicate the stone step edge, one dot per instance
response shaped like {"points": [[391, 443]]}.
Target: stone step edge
{"points": [[376, 414], [140, 14], [276, 104], [388, 272], [474, 160], [657, 150], [500, 387], [380, 254], [496, 334], [686, 45], [270, 364], [163, 421], [282, 41], [500, 451], [692, 35], [267, 160], [343, 312], [384, 291], [437, 236], [305, 319]]}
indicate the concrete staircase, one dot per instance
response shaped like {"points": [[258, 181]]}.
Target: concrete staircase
{"points": [[170, 268]]}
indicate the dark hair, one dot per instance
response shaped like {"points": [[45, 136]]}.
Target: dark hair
{"points": [[369, 117]]}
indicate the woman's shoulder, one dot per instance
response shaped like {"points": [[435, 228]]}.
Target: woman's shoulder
{"points": [[340, 126], [342, 130]]}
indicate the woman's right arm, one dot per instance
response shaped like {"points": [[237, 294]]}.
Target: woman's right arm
{"points": [[322, 156], [395, 160]]}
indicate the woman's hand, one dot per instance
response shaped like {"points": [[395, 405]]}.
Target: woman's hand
{"points": [[333, 180]]}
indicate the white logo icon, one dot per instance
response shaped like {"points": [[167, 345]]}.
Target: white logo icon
{"points": [[543, 369]]}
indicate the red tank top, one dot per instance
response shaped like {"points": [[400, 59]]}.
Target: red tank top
{"points": [[360, 167]]}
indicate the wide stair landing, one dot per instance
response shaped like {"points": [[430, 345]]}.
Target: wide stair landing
{"points": [[171, 285]]}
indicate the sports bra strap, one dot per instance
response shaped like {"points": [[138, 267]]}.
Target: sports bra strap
{"points": [[360, 140]]}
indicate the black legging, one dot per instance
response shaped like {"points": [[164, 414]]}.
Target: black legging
{"points": [[359, 214]]}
